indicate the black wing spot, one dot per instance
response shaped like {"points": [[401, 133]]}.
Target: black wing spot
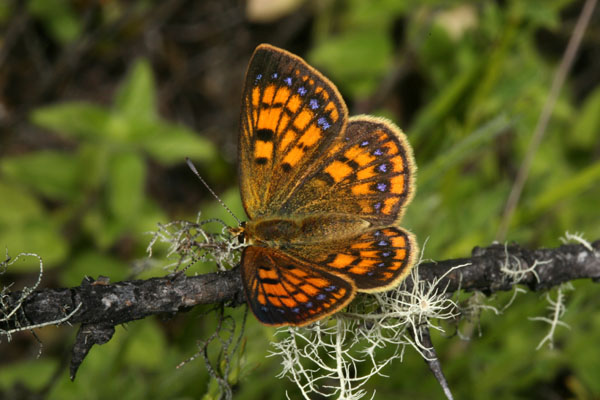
{"points": [[286, 167], [351, 163], [266, 135], [261, 160]]}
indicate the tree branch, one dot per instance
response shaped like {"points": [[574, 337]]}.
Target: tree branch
{"points": [[101, 305]]}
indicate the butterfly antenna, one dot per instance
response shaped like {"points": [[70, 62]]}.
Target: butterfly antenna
{"points": [[195, 171]]}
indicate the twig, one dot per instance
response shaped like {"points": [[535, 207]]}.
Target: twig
{"points": [[433, 361], [106, 305]]}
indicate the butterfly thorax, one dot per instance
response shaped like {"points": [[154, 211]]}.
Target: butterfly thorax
{"points": [[277, 232]]}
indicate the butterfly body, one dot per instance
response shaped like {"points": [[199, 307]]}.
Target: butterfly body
{"points": [[317, 228], [323, 193]]}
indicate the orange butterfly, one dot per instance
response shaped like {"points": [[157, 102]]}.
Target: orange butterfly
{"points": [[323, 192]]}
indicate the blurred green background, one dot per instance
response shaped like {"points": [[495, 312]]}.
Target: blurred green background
{"points": [[101, 101]]}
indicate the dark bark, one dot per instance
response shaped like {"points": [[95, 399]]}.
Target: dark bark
{"points": [[103, 305]]}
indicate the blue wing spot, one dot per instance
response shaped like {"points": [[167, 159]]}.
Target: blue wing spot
{"points": [[321, 296], [308, 304], [381, 265], [382, 187], [296, 310], [258, 77], [383, 243], [331, 288], [288, 81], [314, 104], [365, 143], [322, 122], [377, 206], [263, 308], [386, 253], [382, 168], [274, 76], [370, 273], [378, 152], [281, 310], [302, 90]]}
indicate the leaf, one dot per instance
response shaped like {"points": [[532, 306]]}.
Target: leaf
{"points": [[125, 185], [58, 18], [170, 144], [355, 61], [17, 206], [103, 228], [73, 120], [25, 227], [136, 97], [39, 236], [586, 130], [54, 174]]}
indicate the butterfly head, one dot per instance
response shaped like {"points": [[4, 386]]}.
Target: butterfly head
{"points": [[239, 232]]}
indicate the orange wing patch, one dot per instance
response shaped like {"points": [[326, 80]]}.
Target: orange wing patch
{"points": [[338, 170]]}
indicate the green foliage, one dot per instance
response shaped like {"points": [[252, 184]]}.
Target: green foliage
{"points": [[26, 228], [31, 374], [112, 146], [58, 18]]}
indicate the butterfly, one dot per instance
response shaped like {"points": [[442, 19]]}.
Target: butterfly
{"points": [[323, 193]]}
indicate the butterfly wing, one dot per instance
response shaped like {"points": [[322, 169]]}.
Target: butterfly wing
{"points": [[376, 260], [344, 182], [291, 115], [369, 173], [283, 290]]}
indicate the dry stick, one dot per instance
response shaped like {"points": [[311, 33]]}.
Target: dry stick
{"points": [[433, 362], [540, 129], [105, 305]]}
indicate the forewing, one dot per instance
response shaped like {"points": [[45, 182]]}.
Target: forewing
{"points": [[282, 290], [375, 261], [291, 116], [368, 173]]}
